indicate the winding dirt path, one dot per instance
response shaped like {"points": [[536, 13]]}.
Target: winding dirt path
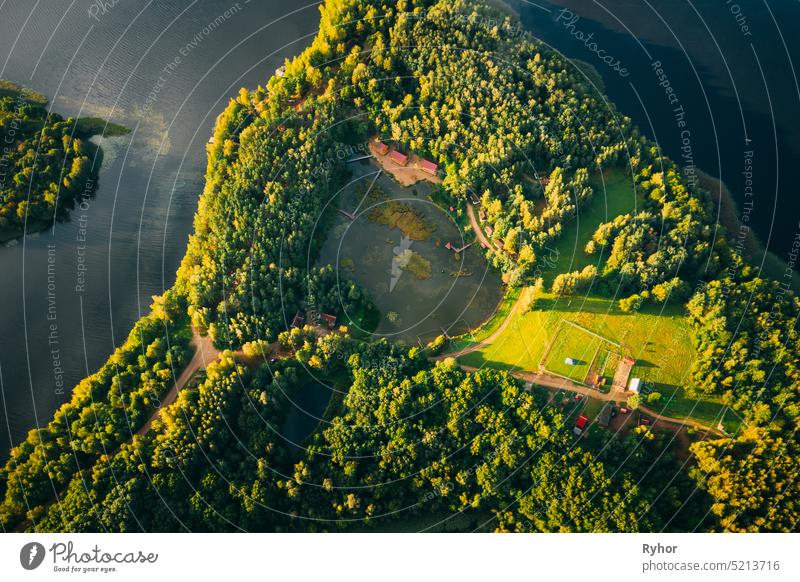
{"points": [[476, 227], [204, 354], [486, 342]]}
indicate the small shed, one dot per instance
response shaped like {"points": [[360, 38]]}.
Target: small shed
{"points": [[604, 418], [635, 385], [580, 425]]}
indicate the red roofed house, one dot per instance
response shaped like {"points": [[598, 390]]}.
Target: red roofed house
{"points": [[381, 147], [328, 319], [580, 425], [429, 167], [399, 157]]}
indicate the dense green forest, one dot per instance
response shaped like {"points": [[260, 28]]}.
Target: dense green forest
{"points": [[518, 128], [46, 161], [478, 446]]}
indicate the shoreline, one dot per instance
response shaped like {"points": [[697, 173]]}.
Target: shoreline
{"points": [[766, 262]]}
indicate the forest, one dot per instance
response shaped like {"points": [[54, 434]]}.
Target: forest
{"points": [[46, 163], [517, 129]]}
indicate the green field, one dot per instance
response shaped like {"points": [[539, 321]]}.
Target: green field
{"points": [[657, 338], [490, 326], [573, 342], [613, 195]]}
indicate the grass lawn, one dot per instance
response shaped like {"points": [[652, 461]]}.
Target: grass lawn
{"points": [[575, 343], [613, 195], [490, 326], [676, 404], [591, 408], [658, 338]]}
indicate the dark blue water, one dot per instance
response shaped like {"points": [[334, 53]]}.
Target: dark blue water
{"points": [[306, 407], [731, 67]]}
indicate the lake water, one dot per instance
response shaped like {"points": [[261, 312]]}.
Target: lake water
{"points": [[167, 68]]}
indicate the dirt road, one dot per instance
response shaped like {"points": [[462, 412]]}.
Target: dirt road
{"points": [[548, 381], [204, 354], [476, 227], [489, 340]]}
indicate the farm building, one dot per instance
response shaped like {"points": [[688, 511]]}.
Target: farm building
{"points": [[399, 157], [381, 148], [330, 320], [429, 167], [604, 418], [580, 425], [635, 385]]}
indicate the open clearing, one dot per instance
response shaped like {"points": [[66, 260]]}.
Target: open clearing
{"points": [[593, 331], [613, 195], [407, 175], [658, 339]]}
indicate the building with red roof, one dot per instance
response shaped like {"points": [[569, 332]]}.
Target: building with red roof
{"points": [[381, 147], [580, 425], [328, 319], [429, 167], [399, 157]]}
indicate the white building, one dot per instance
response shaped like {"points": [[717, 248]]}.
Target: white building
{"points": [[634, 385]]}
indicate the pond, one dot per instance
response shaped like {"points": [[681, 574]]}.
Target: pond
{"points": [[397, 248], [306, 408]]}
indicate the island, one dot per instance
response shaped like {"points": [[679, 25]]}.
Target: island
{"points": [[634, 372], [46, 162]]}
